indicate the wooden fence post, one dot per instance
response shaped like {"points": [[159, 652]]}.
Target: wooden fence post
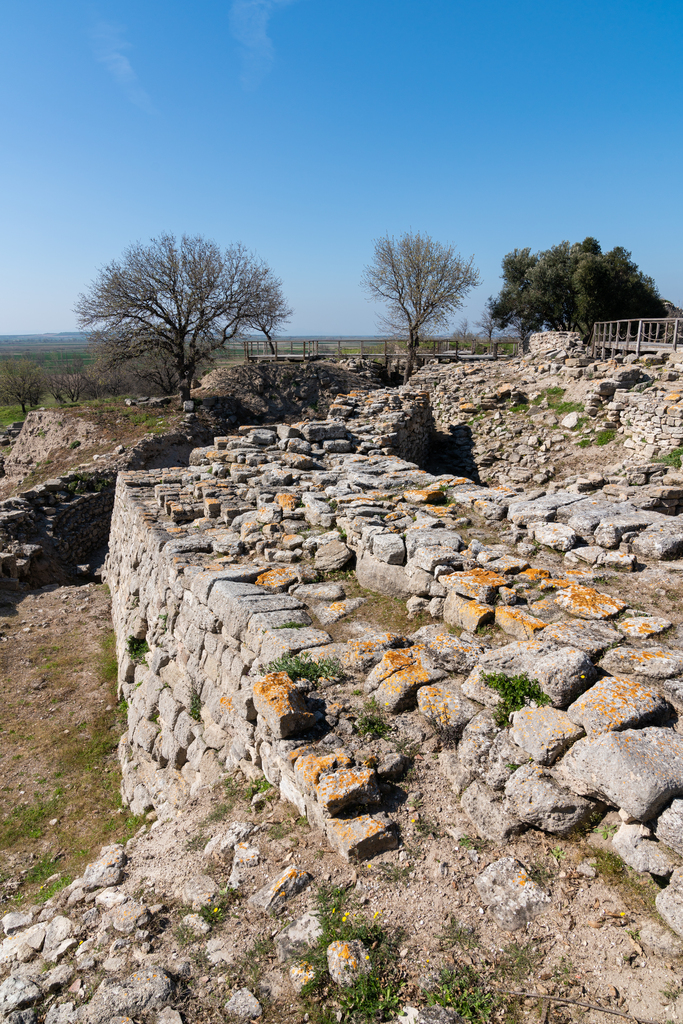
{"points": [[638, 337]]}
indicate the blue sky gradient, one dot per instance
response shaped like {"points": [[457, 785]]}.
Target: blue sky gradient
{"points": [[307, 128]]}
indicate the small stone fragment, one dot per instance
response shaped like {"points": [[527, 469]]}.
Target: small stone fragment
{"points": [[509, 893], [347, 961]]}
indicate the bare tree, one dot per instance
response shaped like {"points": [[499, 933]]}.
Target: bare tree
{"points": [[487, 322], [422, 283], [156, 373], [22, 382], [272, 311], [69, 380], [181, 300]]}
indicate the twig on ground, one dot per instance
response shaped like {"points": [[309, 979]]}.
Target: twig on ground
{"points": [[575, 1002]]}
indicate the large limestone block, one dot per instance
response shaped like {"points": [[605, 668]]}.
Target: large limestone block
{"points": [[518, 623], [561, 672], [337, 790], [588, 603], [479, 584], [614, 703], [448, 651], [648, 663], [554, 535], [591, 637], [373, 574], [362, 837], [637, 770], [534, 797], [420, 536], [446, 708], [511, 896], [389, 548], [398, 691], [635, 846], [660, 541], [489, 813], [283, 707], [669, 902], [610, 531], [466, 613], [544, 733], [668, 827], [279, 642]]}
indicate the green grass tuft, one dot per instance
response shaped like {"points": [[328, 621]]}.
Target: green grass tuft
{"points": [[516, 692]]}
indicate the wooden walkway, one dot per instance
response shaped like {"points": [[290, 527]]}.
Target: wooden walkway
{"points": [[624, 337], [384, 350]]}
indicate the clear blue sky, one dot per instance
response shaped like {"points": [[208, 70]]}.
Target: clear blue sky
{"points": [[306, 128]]}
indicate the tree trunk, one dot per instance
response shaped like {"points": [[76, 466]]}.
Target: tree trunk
{"points": [[270, 344], [184, 389], [23, 407], [411, 349]]}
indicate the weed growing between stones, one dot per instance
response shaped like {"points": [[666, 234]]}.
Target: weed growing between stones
{"points": [[137, 649], [372, 721], [216, 911], [638, 891], [672, 458], [302, 666], [604, 436], [516, 692], [375, 996], [196, 707], [518, 961], [460, 989]]}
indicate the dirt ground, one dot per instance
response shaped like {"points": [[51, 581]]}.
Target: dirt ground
{"points": [[59, 727]]}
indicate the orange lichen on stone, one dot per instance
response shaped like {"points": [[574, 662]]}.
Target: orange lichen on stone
{"points": [[286, 501], [615, 703], [336, 790], [518, 623], [309, 769], [279, 576], [424, 496], [588, 603], [534, 575], [360, 837], [282, 704]]}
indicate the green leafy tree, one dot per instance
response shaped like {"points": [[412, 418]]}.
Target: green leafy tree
{"points": [[421, 282], [570, 286], [22, 382]]}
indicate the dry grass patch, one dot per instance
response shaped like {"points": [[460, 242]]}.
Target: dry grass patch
{"points": [[59, 729]]}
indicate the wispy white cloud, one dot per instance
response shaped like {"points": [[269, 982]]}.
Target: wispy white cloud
{"points": [[109, 45], [249, 25]]}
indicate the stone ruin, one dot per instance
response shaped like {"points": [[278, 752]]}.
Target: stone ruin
{"points": [[218, 570]]}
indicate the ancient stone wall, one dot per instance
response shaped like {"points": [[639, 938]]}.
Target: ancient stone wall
{"points": [[549, 341], [67, 517]]}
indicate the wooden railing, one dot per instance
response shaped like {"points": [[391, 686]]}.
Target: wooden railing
{"points": [[621, 337], [380, 349]]}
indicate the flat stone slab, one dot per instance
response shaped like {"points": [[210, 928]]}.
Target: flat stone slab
{"points": [[489, 813], [614, 703], [544, 733], [535, 798], [661, 541], [637, 770], [647, 663], [587, 603], [592, 637], [327, 614], [448, 651], [362, 837], [400, 675], [511, 896], [299, 936], [279, 642], [640, 627], [554, 535]]}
